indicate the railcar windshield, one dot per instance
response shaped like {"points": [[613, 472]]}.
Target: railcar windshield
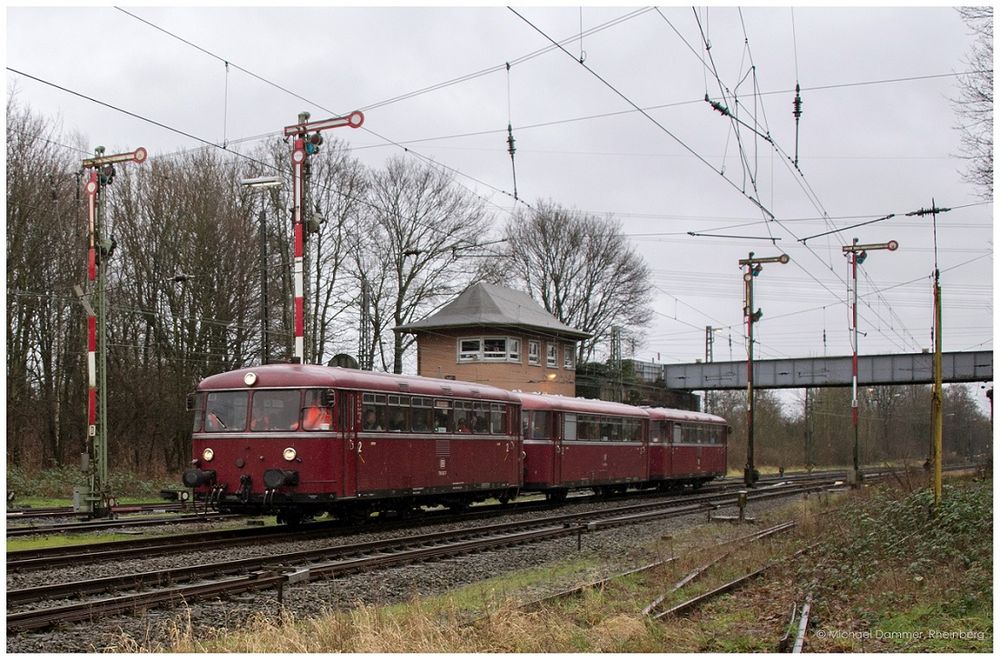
{"points": [[226, 412], [275, 410]]}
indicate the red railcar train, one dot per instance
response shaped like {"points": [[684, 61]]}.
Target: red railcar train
{"points": [[300, 440]]}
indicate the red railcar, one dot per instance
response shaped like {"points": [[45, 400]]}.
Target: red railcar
{"points": [[576, 443], [303, 439], [686, 447]]}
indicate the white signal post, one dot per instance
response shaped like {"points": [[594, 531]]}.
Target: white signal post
{"points": [[753, 266], [856, 253], [305, 145], [97, 500]]}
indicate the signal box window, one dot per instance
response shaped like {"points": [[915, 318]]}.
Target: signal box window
{"points": [[469, 349], [275, 410], [568, 356], [534, 356], [226, 412], [514, 350], [318, 415], [551, 355], [495, 348]]}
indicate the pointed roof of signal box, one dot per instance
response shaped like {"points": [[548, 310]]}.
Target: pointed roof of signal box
{"points": [[483, 304]]}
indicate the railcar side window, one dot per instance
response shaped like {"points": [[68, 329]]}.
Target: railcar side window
{"points": [[538, 425], [678, 433], [422, 414], [631, 429], [480, 417], [373, 412], [464, 414], [226, 412], [569, 426], [275, 410], [588, 427], [498, 418], [199, 411], [317, 416], [444, 419], [399, 411]]}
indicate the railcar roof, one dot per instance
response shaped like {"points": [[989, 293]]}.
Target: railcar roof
{"points": [[576, 404], [684, 415], [314, 375]]}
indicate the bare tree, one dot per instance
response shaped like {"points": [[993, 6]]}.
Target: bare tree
{"points": [[974, 104], [413, 249], [183, 297], [45, 383], [581, 269]]}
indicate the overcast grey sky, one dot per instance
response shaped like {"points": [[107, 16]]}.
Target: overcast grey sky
{"points": [[867, 147]]}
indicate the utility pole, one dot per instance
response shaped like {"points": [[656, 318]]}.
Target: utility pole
{"points": [[857, 253], [305, 145], [615, 362], [709, 357], [937, 397], [262, 183], [97, 500], [365, 353], [753, 266]]}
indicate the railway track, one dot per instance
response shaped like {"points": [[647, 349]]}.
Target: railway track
{"points": [[68, 512], [151, 546], [100, 525], [97, 525], [278, 571]]}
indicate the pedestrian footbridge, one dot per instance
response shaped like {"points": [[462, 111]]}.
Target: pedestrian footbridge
{"points": [[894, 369]]}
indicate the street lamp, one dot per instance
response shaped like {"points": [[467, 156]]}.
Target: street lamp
{"points": [[262, 183]]}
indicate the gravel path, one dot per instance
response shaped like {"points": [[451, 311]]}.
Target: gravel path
{"points": [[616, 549]]}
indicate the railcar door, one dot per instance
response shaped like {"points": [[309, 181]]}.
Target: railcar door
{"points": [[558, 447], [349, 410]]}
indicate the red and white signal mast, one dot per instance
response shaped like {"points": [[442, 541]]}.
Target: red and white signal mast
{"points": [[307, 142], [97, 501]]}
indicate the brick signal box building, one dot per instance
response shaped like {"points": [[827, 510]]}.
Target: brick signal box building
{"points": [[491, 334]]}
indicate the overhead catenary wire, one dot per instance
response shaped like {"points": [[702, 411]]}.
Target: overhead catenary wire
{"points": [[643, 112]]}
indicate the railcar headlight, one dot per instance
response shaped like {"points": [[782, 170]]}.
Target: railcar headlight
{"points": [[208, 454], [289, 454]]}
